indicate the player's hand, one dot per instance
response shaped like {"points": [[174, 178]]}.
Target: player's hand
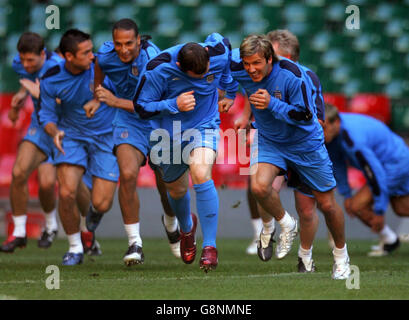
{"points": [[58, 141], [91, 107], [18, 99], [242, 123], [220, 93], [186, 101], [260, 99], [377, 223], [13, 115], [32, 87], [105, 96], [225, 104]]}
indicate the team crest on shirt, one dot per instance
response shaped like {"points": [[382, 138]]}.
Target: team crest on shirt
{"points": [[32, 131], [210, 78], [277, 94], [135, 70], [124, 134]]}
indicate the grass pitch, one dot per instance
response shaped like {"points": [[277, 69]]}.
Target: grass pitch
{"points": [[162, 276]]}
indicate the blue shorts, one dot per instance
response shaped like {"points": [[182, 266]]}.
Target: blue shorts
{"points": [[134, 134], [171, 159], [94, 154], [398, 186], [313, 167], [294, 182], [37, 136]]}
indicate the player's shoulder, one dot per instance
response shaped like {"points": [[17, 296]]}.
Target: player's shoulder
{"points": [[289, 68], [52, 71], [217, 45], [106, 48], [236, 64], [160, 62], [311, 74], [150, 48], [17, 65]]}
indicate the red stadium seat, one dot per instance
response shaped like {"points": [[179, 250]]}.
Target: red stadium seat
{"points": [[6, 167], [375, 105], [338, 100]]}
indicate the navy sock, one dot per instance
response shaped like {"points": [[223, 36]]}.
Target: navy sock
{"points": [[207, 201]]}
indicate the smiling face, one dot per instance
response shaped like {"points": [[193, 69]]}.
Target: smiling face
{"points": [[257, 66], [32, 62], [127, 45]]}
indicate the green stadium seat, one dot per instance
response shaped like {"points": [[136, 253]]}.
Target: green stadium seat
{"points": [[400, 115], [332, 58], [121, 11], [3, 22], [255, 27], [351, 88], [362, 43], [186, 14], [189, 37], [229, 3], [103, 3], [235, 38], [144, 17], [99, 38], [335, 12], [99, 18], [8, 78], [164, 42], [402, 44], [384, 12], [374, 58], [17, 16], [321, 41], [342, 74], [145, 3], [189, 3], [209, 19], [53, 41], [273, 3], [395, 28], [397, 88], [383, 74]]}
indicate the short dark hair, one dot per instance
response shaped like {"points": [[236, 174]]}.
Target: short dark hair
{"points": [[331, 113], [193, 57], [70, 40], [30, 42], [125, 24]]}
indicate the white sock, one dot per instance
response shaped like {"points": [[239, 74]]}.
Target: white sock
{"points": [[305, 254], [287, 222], [257, 227], [132, 230], [19, 226], [171, 223], [268, 227], [51, 220], [340, 254], [75, 243], [388, 236], [83, 224]]}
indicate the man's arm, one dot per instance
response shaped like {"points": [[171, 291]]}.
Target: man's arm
{"points": [[17, 102], [107, 97]]}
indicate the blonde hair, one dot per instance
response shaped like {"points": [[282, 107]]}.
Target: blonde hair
{"points": [[257, 44]]}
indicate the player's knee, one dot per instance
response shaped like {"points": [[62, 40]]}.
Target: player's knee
{"points": [[67, 194], [19, 175], [47, 184], [102, 205], [177, 192], [260, 191], [327, 207], [128, 177], [307, 214], [200, 175]]}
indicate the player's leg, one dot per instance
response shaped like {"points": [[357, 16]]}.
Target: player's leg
{"points": [[179, 200], [169, 219], [268, 198], [69, 177], [207, 200], [361, 206], [129, 161], [89, 242], [306, 209], [47, 177], [28, 158], [256, 221]]}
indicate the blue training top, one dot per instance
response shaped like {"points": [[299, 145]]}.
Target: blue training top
{"points": [[290, 120], [74, 91], [51, 60], [163, 81], [125, 76], [370, 146]]}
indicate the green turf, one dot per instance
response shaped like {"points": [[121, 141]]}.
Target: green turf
{"points": [[238, 276]]}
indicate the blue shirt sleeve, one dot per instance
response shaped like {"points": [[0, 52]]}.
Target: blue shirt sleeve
{"points": [[297, 111], [48, 105], [148, 103], [227, 83]]}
